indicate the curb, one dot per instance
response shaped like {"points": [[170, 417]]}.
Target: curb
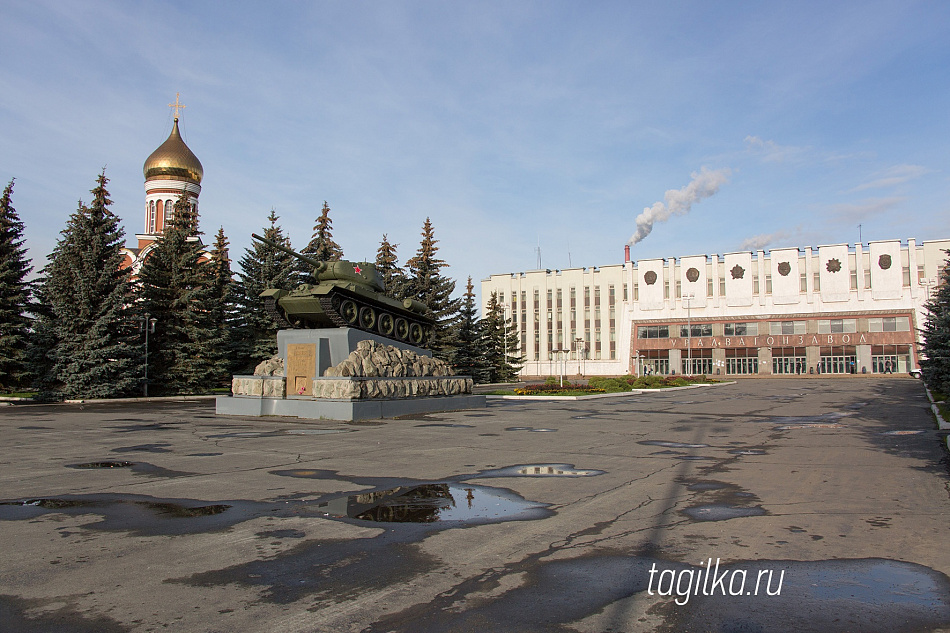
{"points": [[941, 423], [157, 399], [619, 394]]}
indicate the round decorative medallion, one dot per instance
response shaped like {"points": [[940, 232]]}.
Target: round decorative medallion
{"points": [[737, 271], [884, 261], [784, 268], [833, 265], [692, 274], [649, 277]]}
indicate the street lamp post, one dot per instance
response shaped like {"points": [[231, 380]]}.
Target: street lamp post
{"points": [[148, 324], [504, 323], [689, 337]]}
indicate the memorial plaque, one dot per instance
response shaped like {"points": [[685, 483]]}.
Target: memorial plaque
{"points": [[301, 368]]}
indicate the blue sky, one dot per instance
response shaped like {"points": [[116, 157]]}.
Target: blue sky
{"points": [[509, 124]]}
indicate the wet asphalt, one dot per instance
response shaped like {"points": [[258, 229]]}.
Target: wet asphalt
{"points": [[767, 505]]}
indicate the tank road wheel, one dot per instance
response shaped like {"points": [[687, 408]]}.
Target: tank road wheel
{"points": [[386, 324], [402, 329], [367, 317], [416, 335], [349, 312]]}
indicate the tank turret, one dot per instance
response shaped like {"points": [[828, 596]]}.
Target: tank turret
{"points": [[347, 294]]}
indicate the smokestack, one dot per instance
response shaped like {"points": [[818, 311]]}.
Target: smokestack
{"points": [[626, 254]]}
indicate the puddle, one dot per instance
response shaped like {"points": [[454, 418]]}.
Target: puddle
{"points": [[530, 429], [248, 434], [720, 512], [449, 426], [707, 485], [436, 502], [103, 465], [139, 514], [834, 416], [144, 448], [671, 444], [316, 431], [792, 427], [203, 454], [903, 432], [747, 451], [540, 470], [290, 533], [695, 458]]}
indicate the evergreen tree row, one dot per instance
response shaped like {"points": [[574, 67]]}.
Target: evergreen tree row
{"points": [[85, 329]]}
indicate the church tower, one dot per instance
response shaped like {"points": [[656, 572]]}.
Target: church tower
{"points": [[169, 170]]}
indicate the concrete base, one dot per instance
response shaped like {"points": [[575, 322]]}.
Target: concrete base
{"points": [[347, 410]]}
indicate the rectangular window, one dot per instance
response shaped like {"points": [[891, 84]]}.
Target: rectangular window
{"points": [[501, 297], [625, 292], [573, 296], [696, 330], [611, 295], [755, 284], [906, 276], [889, 324], [709, 287], [653, 331], [817, 282], [867, 279], [666, 290], [837, 326], [679, 289], [636, 291], [550, 299], [854, 280], [740, 329], [596, 295], [722, 287], [558, 299], [920, 275], [786, 327], [586, 296], [803, 283]]}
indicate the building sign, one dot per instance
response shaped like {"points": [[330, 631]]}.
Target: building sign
{"points": [[780, 340]]}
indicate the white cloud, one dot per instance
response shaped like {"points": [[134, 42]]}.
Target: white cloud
{"points": [[862, 210], [892, 176], [772, 152]]}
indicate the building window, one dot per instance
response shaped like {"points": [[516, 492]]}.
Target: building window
{"points": [[755, 284], [653, 331], [709, 286], [722, 287], [611, 295], [786, 327], [889, 324], [768, 284], [920, 275], [817, 282], [803, 283], [679, 289], [696, 330], [854, 280], [625, 292], [740, 329], [867, 279], [742, 360], [906, 275], [837, 326], [636, 291]]}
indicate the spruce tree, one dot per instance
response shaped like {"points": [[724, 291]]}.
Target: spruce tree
{"points": [[426, 283], [468, 357], [501, 343], [935, 350], [178, 289], [14, 296], [85, 347], [225, 314], [321, 246], [387, 265], [262, 267]]}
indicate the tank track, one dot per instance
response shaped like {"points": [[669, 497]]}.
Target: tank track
{"points": [[333, 304], [271, 307]]}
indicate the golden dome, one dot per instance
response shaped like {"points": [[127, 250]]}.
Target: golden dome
{"points": [[173, 161]]}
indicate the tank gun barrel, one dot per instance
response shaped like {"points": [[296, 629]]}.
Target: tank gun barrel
{"points": [[318, 266]]}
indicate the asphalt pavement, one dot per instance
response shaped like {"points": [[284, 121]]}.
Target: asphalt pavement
{"points": [[767, 505]]}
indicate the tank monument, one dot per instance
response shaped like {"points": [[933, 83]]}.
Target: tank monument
{"points": [[348, 352]]}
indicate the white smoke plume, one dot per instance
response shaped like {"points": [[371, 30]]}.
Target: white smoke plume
{"points": [[679, 201], [758, 242]]}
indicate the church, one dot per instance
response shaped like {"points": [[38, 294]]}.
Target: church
{"points": [[170, 170]]}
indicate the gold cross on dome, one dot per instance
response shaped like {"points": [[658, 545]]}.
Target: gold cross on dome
{"points": [[177, 105]]}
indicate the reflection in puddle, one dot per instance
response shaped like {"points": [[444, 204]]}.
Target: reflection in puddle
{"points": [[541, 470], [529, 428], [449, 426], [719, 512], [435, 502], [903, 432], [104, 465], [747, 451], [672, 444]]}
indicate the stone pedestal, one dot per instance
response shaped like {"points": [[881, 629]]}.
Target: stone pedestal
{"points": [[366, 381]]}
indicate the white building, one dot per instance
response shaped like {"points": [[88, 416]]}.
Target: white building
{"points": [[835, 309]]}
